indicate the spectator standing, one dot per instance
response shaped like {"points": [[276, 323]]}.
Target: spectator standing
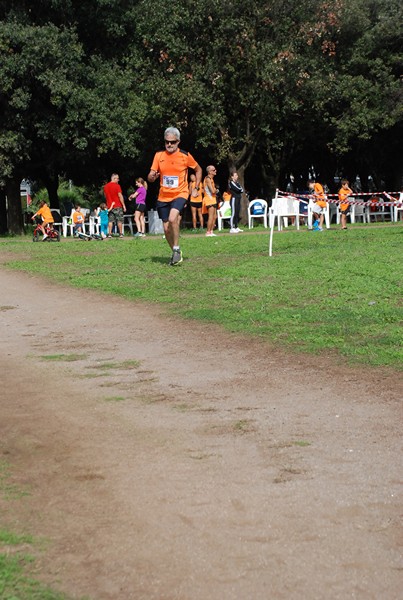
{"points": [[102, 213], [140, 208], [320, 204], [236, 191], [115, 204], [196, 203], [171, 166], [344, 193], [210, 199]]}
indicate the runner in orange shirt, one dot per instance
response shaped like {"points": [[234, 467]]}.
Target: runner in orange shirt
{"points": [[171, 166], [344, 193]]}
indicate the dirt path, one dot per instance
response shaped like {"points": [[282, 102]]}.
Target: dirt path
{"points": [[214, 468]]}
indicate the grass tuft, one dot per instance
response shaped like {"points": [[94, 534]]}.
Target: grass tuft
{"points": [[63, 357]]}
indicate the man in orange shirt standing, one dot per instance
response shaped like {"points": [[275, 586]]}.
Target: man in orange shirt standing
{"points": [[320, 204], [171, 166]]}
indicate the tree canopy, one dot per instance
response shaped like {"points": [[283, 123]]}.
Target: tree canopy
{"points": [[266, 87]]}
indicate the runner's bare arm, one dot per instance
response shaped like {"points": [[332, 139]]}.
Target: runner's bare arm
{"points": [[153, 175], [199, 173]]}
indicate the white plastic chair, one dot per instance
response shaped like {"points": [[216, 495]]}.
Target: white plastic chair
{"points": [[380, 211], [223, 213], [57, 217], [396, 209], [128, 222], [263, 215], [310, 214], [282, 208], [351, 214], [68, 222], [359, 211], [94, 223]]}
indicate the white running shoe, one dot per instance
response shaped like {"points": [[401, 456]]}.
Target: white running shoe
{"points": [[233, 230], [239, 230]]}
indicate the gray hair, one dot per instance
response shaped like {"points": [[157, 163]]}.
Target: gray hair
{"points": [[173, 131]]}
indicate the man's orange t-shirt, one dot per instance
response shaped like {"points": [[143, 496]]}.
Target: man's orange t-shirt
{"points": [[320, 195], [343, 195], [173, 170], [46, 214]]}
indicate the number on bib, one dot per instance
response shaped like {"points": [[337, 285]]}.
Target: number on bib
{"points": [[171, 181]]}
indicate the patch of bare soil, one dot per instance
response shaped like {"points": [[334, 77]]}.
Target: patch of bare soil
{"points": [[165, 459]]}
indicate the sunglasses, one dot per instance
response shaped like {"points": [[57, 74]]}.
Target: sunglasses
{"points": [[171, 142]]}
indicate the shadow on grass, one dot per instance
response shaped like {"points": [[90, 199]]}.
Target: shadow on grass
{"points": [[163, 260]]}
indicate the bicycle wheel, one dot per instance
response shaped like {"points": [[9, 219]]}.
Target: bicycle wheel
{"points": [[36, 237]]}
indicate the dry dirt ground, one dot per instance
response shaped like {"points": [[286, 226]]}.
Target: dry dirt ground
{"points": [[214, 467]]}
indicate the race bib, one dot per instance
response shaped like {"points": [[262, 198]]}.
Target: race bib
{"points": [[170, 181]]}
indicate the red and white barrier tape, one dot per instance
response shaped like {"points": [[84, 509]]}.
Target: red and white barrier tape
{"points": [[350, 199]]}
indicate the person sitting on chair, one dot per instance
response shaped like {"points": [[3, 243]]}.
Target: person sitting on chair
{"points": [[78, 220]]}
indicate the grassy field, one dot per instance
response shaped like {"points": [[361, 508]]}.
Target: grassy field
{"points": [[333, 291]]}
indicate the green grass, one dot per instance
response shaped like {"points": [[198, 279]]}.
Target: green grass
{"points": [[12, 539], [16, 585], [336, 292], [115, 399], [63, 357], [125, 364], [9, 490]]}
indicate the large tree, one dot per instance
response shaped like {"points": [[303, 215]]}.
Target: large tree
{"points": [[278, 85], [247, 79], [63, 103]]}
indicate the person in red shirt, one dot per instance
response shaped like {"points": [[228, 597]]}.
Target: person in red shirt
{"points": [[115, 204], [171, 166]]}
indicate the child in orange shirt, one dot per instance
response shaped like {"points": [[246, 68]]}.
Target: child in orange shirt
{"points": [[320, 204], [47, 219], [78, 220], [344, 193]]}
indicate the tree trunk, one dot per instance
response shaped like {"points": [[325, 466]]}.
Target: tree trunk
{"points": [[273, 184], [3, 212], [52, 184], [15, 219]]}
